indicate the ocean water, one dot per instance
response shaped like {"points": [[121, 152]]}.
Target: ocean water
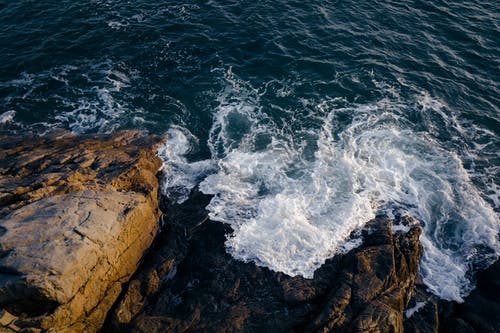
{"points": [[303, 119]]}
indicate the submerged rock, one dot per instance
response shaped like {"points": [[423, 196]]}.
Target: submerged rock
{"points": [[76, 216]]}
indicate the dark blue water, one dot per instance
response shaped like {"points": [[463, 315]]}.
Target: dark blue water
{"points": [[382, 106]]}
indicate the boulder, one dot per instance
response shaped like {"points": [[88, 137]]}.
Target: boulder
{"points": [[76, 216]]}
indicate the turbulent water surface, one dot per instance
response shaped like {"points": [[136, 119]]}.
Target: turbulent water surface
{"points": [[303, 119]]}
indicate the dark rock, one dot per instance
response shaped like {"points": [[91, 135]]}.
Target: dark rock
{"points": [[480, 311], [376, 283], [203, 289], [422, 314]]}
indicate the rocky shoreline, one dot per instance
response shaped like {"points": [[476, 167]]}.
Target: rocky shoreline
{"points": [[83, 249], [76, 216]]}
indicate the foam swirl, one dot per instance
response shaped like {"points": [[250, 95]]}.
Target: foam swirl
{"points": [[294, 198]]}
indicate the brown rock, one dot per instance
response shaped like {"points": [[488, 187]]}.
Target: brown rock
{"points": [[422, 314], [376, 284], [76, 215]]}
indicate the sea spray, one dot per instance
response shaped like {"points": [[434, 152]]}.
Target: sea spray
{"points": [[291, 209]]}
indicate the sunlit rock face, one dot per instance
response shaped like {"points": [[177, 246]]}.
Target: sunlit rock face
{"points": [[76, 215]]}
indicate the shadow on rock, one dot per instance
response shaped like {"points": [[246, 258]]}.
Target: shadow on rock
{"points": [[190, 284]]}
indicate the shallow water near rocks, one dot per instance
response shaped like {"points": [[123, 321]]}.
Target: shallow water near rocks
{"points": [[303, 120]]}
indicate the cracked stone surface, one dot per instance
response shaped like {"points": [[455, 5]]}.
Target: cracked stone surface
{"points": [[76, 216]]}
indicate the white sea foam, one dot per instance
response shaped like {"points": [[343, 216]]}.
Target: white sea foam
{"points": [[401, 228], [7, 117], [180, 175], [117, 25], [293, 198], [97, 111], [411, 311], [97, 107], [93, 96]]}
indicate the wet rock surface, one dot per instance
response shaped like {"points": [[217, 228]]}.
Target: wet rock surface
{"points": [[76, 216], [480, 311], [190, 284]]}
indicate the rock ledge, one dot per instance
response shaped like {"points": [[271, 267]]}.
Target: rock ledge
{"points": [[76, 216]]}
